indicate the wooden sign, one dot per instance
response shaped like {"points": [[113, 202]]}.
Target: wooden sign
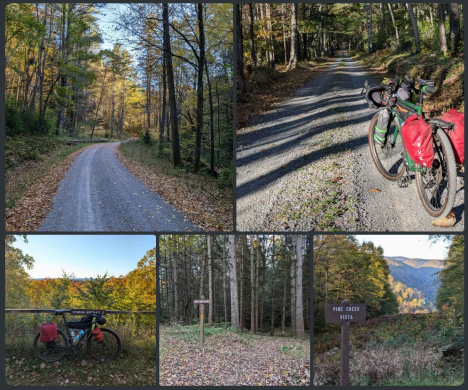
{"points": [[86, 311], [345, 313], [202, 301], [354, 312]]}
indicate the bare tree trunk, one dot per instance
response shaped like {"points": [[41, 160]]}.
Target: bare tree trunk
{"points": [[201, 64], [212, 136], [299, 312], [283, 316], [210, 281], [271, 62], [272, 329], [240, 76], [253, 57], [293, 297], [284, 34], [171, 88], [454, 27], [233, 280], [415, 27], [202, 272], [163, 106], [442, 36], [394, 24], [294, 38], [176, 287], [257, 266], [224, 280]]}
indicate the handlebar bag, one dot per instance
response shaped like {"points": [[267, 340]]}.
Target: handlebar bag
{"points": [[48, 332], [417, 137], [405, 88], [457, 135]]}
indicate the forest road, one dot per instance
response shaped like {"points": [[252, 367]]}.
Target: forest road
{"points": [[99, 194], [306, 165]]}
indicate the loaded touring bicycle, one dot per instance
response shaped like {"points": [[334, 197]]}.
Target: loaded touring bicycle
{"points": [[437, 180], [52, 343]]}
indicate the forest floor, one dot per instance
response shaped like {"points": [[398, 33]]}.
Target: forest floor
{"points": [[266, 87], [197, 196], [99, 194], [306, 165], [136, 366], [231, 358], [394, 350]]}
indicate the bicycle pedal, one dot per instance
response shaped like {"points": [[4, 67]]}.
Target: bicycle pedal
{"points": [[403, 182]]}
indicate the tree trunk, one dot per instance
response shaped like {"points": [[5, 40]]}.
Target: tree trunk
{"points": [[233, 279], [253, 58], [415, 27], [283, 316], [257, 266], [299, 312], [202, 273], [394, 24], [201, 64], [271, 62], [212, 136], [224, 281], [442, 36], [210, 281], [272, 328], [284, 34], [382, 27], [240, 76], [176, 286], [294, 38], [293, 297], [454, 28], [163, 106], [171, 87]]}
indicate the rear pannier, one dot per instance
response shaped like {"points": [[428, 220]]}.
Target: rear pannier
{"points": [[417, 137], [457, 135], [48, 332]]}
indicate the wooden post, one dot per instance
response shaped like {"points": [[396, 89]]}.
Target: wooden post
{"points": [[344, 379], [202, 325]]}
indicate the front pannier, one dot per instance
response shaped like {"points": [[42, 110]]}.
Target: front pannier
{"points": [[48, 332], [417, 137], [457, 135]]}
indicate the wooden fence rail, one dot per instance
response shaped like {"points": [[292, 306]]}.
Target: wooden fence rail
{"points": [[68, 311]]}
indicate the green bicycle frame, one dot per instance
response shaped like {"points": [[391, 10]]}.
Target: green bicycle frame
{"points": [[417, 110]]}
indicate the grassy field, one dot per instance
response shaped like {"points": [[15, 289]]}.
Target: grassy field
{"points": [[232, 358], [398, 350], [199, 196], [135, 366]]}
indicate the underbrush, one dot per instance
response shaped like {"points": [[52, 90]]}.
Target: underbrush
{"points": [[266, 87], [394, 350], [448, 73], [28, 158]]}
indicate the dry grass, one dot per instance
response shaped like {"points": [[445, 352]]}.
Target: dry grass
{"points": [[266, 88]]}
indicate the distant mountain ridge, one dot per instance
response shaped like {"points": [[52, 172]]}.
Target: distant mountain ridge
{"points": [[417, 273]]}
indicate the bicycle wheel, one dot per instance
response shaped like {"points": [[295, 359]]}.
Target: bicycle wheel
{"points": [[51, 352], [387, 156], [437, 186], [107, 349]]}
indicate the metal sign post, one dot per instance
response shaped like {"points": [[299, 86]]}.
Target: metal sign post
{"points": [[201, 302], [345, 313]]}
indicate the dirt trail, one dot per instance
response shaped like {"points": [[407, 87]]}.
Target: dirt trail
{"points": [[306, 165], [99, 194]]}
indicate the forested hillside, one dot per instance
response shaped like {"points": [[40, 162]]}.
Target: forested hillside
{"points": [[414, 347], [257, 285], [135, 291]]}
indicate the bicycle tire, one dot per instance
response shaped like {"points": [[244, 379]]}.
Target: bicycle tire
{"points": [[91, 341], [451, 173], [42, 357], [377, 161]]}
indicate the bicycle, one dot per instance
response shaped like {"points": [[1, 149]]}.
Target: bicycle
{"points": [[437, 185], [104, 350]]}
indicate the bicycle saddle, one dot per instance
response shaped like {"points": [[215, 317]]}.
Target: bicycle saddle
{"points": [[428, 83]]}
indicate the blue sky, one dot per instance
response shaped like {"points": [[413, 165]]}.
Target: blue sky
{"points": [[85, 255], [413, 246]]}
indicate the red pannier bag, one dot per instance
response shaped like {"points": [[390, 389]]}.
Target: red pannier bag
{"points": [[417, 137], [48, 332], [457, 135]]}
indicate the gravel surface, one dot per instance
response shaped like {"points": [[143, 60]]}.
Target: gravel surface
{"points": [[99, 194], [306, 165]]}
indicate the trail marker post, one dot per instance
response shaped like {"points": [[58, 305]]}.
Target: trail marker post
{"points": [[202, 302], [345, 313]]}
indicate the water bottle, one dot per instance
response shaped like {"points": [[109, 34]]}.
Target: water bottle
{"points": [[78, 337], [72, 334]]}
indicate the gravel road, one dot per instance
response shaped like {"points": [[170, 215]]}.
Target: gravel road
{"points": [[306, 165], [99, 194]]}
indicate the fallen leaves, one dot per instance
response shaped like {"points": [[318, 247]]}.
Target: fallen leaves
{"points": [[206, 206], [32, 208], [374, 190]]}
